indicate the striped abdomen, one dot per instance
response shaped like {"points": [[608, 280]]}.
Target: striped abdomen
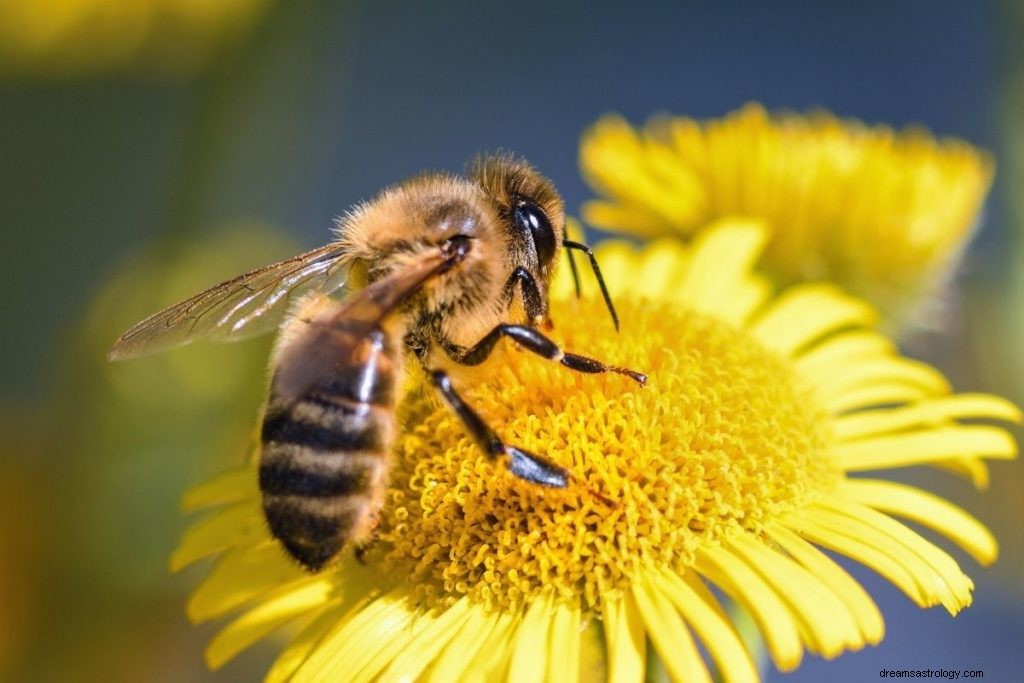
{"points": [[324, 461]]}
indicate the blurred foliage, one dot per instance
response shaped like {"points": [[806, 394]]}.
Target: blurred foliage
{"points": [[77, 37], [122, 441]]}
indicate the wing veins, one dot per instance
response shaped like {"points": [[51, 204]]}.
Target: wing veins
{"points": [[189, 320]]}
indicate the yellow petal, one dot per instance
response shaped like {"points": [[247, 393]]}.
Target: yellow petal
{"points": [[231, 486], [922, 446], [495, 655], [661, 263], [842, 350], [564, 644], [854, 545], [941, 562], [880, 371], [240, 575], [308, 638], [624, 639], [931, 412], [878, 394], [828, 624], [926, 509], [807, 312], [529, 654], [722, 255], [460, 643], [669, 634], [345, 651], [714, 628], [932, 585], [237, 525], [743, 299], [264, 618], [864, 610], [746, 587], [439, 629], [610, 216], [974, 469]]}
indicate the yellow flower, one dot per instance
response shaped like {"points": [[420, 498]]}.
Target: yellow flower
{"points": [[65, 37], [740, 459], [883, 214]]}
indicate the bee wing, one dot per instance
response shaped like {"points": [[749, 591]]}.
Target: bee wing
{"points": [[249, 305], [336, 333]]}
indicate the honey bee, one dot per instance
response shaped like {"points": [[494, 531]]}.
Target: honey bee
{"points": [[436, 270]]}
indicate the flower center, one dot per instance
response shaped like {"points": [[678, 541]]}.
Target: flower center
{"points": [[724, 437]]}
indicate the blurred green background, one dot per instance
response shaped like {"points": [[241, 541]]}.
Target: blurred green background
{"points": [[150, 149]]}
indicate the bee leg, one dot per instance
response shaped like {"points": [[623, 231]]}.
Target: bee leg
{"points": [[366, 546], [523, 464], [533, 340], [533, 302]]}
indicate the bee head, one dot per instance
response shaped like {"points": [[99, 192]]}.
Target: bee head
{"points": [[531, 211]]}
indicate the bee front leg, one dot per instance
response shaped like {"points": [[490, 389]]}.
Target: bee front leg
{"points": [[533, 340], [534, 304], [523, 464]]}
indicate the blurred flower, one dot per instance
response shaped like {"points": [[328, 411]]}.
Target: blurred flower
{"points": [[883, 214], [729, 469], [129, 437], [68, 37]]}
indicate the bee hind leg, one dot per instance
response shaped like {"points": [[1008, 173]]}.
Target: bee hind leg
{"points": [[523, 464], [364, 547]]}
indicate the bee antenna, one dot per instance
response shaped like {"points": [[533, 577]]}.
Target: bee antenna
{"points": [[574, 269], [569, 244]]}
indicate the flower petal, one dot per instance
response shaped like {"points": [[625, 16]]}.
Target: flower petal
{"points": [[879, 371], [240, 524], [939, 559], [926, 509], [460, 644], [923, 446], [722, 256], [671, 638], [564, 645], [275, 611], [864, 610], [878, 394], [855, 545], [529, 655], [807, 312], [931, 412], [714, 628], [938, 575], [745, 586], [841, 350], [829, 628], [296, 652], [231, 486], [495, 655], [355, 643], [240, 575], [625, 640], [974, 469]]}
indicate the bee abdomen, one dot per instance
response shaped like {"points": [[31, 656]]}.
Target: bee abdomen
{"points": [[323, 462], [314, 530]]}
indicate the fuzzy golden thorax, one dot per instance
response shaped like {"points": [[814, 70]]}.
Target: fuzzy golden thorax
{"points": [[420, 215]]}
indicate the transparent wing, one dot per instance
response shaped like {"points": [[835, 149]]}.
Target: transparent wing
{"points": [[249, 305], [332, 337]]}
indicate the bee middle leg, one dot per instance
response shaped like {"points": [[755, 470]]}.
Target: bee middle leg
{"points": [[533, 340], [523, 464]]}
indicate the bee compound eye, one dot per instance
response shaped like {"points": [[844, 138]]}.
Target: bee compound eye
{"points": [[532, 220]]}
